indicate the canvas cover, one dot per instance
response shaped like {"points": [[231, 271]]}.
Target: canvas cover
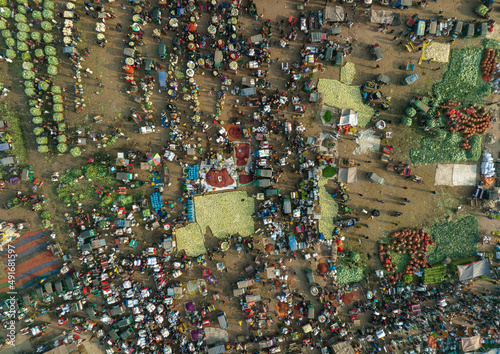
{"points": [[473, 270], [348, 175], [381, 16], [343, 348], [334, 14], [348, 116], [471, 343]]}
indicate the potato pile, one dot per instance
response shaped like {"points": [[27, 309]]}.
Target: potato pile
{"points": [[413, 242], [488, 63], [468, 121]]}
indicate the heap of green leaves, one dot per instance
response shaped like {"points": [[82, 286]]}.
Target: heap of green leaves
{"points": [[445, 147], [453, 239], [329, 210], [462, 81]]}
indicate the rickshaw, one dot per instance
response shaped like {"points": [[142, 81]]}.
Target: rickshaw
{"points": [[156, 15], [470, 30], [432, 27], [339, 58], [129, 52], [420, 28], [376, 52], [328, 54], [162, 51], [149, 65], [409, 79], [458, 29], [309, 85], [482, 30]]}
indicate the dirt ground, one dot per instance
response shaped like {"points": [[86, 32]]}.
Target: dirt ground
{"points": [[114, 104]]}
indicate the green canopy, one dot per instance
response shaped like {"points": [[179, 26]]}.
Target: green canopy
{"points": [[61, 127], [39, 53], [42, 140], [35, 112], [37, 15], [10, 42], [26, 56], [38, 131], [49, 5], [55, 89], [58, 108], [29, 84], [49, 50], [28, 74], [44, 149], [6, 33], [33, 102], [22, 47], [52, 60], [57, 99], [37, 120], [57, 117], [3, 25], [52, 70], [5, 12], [75, 152], [20, 18], [21, 9], [30, 92], [43, 85], [46, 26], [3, 3], [48, 38], [27, 65], [23, 27], [36, 36], [22, 36], [62, 148], [61, 138], [47, 14]]}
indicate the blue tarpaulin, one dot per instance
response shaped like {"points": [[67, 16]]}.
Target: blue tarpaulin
{"points": [[156, 201], [190, 211], [293, 243], [193, 172]]}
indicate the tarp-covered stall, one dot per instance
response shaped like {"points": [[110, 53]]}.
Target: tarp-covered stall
{"points": [[348, 175], [473, 270], [343, 348], [381, 16], [348, 116], [471, 343], [334, 14]]}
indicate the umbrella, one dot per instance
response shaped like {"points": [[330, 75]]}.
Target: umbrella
{"points": [[233, 56], [233, 65], [137, 9], [269, 247], [136, 27], [191, 27], [100, 37], [173, 22], [46, 26], [191, 46], [211, 29], [70, 6], [190, 72], [322, 268], [220, 43], [154, 160], [67, 40], [233, 21], [190, 37], [128, 69], [136, 18]]}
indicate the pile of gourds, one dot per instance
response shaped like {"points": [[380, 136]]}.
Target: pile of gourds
{"points": [[488, 63], [465, 144], [413, 242], [468, 121]]}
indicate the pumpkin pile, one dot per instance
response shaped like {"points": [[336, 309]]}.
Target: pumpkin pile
{"points": [[468, 121], [450, 104], [413, 242], [488, 64]]}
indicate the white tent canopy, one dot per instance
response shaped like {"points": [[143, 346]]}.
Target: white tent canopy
{"points": [[348, 116], [334, 14], [473, 270]]}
